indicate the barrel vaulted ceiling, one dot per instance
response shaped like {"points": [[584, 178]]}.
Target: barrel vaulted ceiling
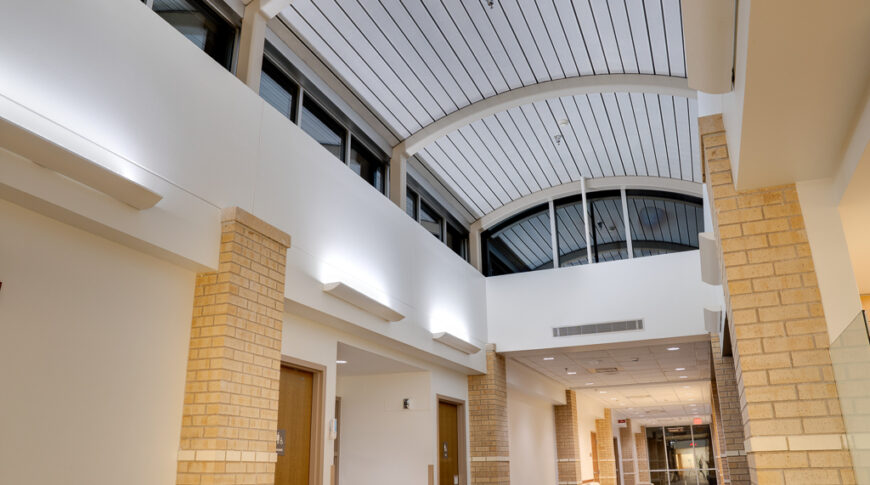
{"points": [[414, 62]]}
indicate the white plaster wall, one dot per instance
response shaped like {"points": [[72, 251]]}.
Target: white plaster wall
{"points": [[180, 124], [315, 342], [93, 355], [588, 411], [666, 291], [532, 438], [382, 443]]}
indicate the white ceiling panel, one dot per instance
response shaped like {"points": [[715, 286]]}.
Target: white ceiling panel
{"points": [[416, 61]]}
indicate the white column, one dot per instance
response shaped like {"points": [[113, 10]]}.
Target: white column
{"points": [[253, 39], [398, 177], [475, 256], [627, 224]]}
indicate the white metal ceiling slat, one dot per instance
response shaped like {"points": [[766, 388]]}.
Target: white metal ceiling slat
{"points": [[604, 27], [502, 76], [624, 36], [644, 132], [671, 135], [406, 54], [503, 148], [358, 55], [511, 19], [480, 179], [430, 30], [546, 35], [445, 167], [674, 32], [520, 244], [508, 136], [425, 169], [515, 122], [570, 144], [497, 22], [504, 49], [503, 166], [544, 141], [473, 55], [562, 44], [696, 151], [623, 101], [319, 45], [642, 47], [583, 15], [577, 46], [654, 117], [382, 58], [619, 130], [655, 26], [477, 152], [563, 160], [578, 128], [596, 103], [681, 110], [595, 136]]}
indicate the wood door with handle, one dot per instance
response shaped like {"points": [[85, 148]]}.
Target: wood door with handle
{"points": [[448, 444], [295, 401]]}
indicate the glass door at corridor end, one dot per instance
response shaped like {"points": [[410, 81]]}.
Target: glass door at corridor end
{"points": [[681, 455]]}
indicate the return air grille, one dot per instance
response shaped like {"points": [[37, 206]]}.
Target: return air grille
{"points": [[592, 328]]}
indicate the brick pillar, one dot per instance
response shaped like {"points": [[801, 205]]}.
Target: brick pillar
{"points": [[488, 423], [643, 476], [731, 456], [231, 397], [789, 404], [568, 440], [627, 448], [606, 457], [718, 434]]}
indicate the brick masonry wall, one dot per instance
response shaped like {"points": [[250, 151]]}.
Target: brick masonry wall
{"points": [[230, 412], [643, 476], [606, 458], [627, 448], [731, 457], [488, 423], [568, 440], [789, 404]]}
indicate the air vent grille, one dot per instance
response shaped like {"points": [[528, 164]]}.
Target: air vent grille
{"points": [[592, 328]]}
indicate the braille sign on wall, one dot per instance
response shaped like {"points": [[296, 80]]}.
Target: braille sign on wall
{"points": [[279, 444]]}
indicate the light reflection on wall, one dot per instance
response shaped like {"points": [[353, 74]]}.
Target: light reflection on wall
{"points": [[340, 265], [443, 320]]}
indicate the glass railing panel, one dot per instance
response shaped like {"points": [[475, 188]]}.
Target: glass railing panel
{"points": [[850, 355]]}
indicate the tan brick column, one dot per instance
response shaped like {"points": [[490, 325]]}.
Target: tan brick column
{"points": [[568, 440], [789, 404], [643, 476], [627, 448], [606, 457], [731, 457], [488, 423], [231, 398], [718, 438]]}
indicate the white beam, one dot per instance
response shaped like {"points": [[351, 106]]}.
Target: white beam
{"points": [[610, 83], [399, 179], [253, 39], [709, 30]]}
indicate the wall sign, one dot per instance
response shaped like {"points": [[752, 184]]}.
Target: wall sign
{"points": [[279, 443]]}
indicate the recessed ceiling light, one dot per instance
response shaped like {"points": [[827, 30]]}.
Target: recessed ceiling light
{"points": [[549, 358], [613, 399], [685, 387], [678, 368], [684, 377], [603, 392], [673, 348], [341, 362], [571, 373], [590, 383]]}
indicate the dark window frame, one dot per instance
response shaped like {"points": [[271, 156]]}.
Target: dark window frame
{"points": [[422, 196], [220, 14]]}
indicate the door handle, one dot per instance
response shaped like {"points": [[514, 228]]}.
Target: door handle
{"points": [[444, 448]]}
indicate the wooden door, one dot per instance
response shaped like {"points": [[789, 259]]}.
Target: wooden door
{"points": [[594, 440], [448, 444], [294, 419]]}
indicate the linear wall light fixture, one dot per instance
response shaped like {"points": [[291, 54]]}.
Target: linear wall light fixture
{"points": [[23, 137], [455, 342], [361, 300]]}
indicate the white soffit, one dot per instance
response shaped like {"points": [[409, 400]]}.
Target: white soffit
{"points": [[416, 62]]}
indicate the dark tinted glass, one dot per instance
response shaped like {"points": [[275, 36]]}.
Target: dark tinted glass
{"points": [[278, 90], [323, 128], [703, 447], [521, 244], [430, 219], [681, 453], [655, 440], [456, 240], [205, 28], [571, 232], [411, 203], [607, 227], [367, 165], [663, 223]]}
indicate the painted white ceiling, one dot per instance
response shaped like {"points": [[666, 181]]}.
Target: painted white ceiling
{"points": [[658, 403], [416, 61], [361, 362]]}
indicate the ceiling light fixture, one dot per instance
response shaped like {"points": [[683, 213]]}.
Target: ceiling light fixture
{"points": [[673, 348], [359, 299], [571, 373], [680, 369], [590, 383], [684, 377], [341, 362], [602, 392], [549, 358]]}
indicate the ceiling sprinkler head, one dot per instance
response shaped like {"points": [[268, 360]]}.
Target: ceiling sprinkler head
{"points": [[491, 3], [558, 139]]}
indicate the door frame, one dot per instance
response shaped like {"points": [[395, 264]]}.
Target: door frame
{"points": [[318, 414], [462, 453]]}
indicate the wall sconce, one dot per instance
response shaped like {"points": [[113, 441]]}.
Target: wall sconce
{"points": [[455, 342], [363, 301]]}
